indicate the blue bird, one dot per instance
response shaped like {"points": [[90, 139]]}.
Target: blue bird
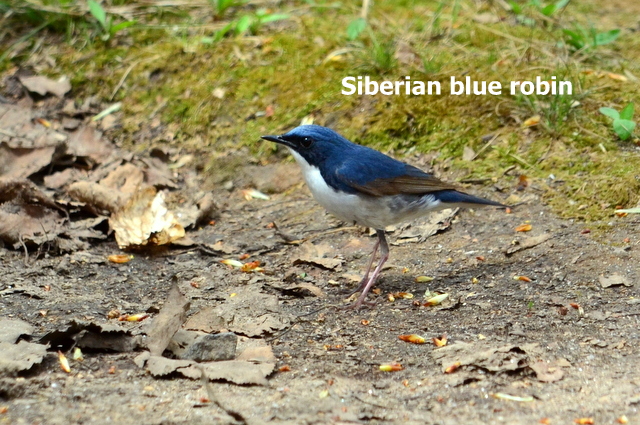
{"points": [[360, 185]]}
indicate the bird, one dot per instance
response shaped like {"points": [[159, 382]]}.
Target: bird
{"points": [[361, 185]]}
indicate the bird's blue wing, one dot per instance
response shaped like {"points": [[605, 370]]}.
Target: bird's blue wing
{"points": [[375, 174]]}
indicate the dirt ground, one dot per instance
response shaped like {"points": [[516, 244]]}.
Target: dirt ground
{"points": [[562, 342]]}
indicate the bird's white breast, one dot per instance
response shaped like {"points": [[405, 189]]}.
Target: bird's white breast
{"points": [[369, 211]]}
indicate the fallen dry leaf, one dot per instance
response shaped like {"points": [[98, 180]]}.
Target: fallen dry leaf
{"points": [[426, 227], [440, 342], [64, 362], [119, 258], [318, 255], [232, 263], [248, 313], [20, 357], [486, 18], [522, 278], [617, 77], [391, 367], [484, 355], [234, 371], [145, 220], [303, 289], [93, 336], [547, 372], [251, 266], [414, 339], [423, 279], [21, 163], [170, 318], [529, 122], [139, 317], [452, 368], [524, 228], [43, 85], [27, 215], [468, 154], [528, 243], [100, 198], [503, 396], [614, 279], [435, 300], [12, 329], [250, 194]]}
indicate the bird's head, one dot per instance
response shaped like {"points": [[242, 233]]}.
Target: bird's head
{"points": [[314, 143]]}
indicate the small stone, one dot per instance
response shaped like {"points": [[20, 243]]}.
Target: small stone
{"points": [[212, 347]]}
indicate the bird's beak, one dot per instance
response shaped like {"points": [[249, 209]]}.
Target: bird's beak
{"points": [[276, 139]]}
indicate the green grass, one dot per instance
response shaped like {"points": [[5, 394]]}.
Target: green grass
{"points": [[295, 66]]}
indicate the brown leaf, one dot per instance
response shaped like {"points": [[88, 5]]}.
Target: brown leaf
{"points": [[547, 372], [92, 335], [429, 226], [316, 255], [524, 228], [262, 353], [614, 280], [99, 197], [206, 320], [531, 121], [87, 142], [468, 154], [503, 358], [168, 321], [12, 329], [528, 243], [234, 371], [126, 178], [247, 313], [22, 163], [44, 85], [26, 214], [145, 220], [20, 357], [303, 289]]}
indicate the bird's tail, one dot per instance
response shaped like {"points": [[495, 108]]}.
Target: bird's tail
{"points": [[461, 199]]}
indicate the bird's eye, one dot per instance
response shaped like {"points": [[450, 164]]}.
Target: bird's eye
{"points": [[306, 142]]}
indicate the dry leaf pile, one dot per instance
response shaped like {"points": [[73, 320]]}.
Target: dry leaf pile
{"points": [[61, 179]]}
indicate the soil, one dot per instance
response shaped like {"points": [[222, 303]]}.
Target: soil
{"points": [[562, 342]]}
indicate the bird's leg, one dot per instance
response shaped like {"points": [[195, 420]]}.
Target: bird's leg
{"points": [[384, 255], [365, 278]]}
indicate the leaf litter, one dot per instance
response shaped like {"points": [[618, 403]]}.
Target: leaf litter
{"points": [[90, 178], [251, 366]]}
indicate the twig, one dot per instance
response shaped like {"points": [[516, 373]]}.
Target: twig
{"points": [[365, 9], [482, 149], [121, 82], [530, 43], [372, 404], [26, 251]]}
